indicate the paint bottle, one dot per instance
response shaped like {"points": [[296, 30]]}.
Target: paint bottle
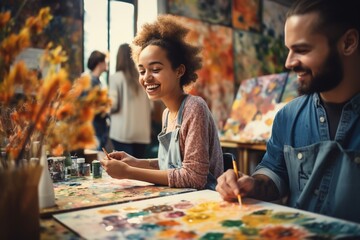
{"points": [[96, 169], [81, 167]]}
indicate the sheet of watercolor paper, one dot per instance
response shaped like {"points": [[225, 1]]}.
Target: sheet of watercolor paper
{"points": [[79, 193], [203, 215]]}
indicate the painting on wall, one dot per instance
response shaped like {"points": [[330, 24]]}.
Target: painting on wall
{"points": [[215, 81], [215, 12], [203, 215], [246, 15], [254, 109], [256, 55], [65, 28], [273, 19]]}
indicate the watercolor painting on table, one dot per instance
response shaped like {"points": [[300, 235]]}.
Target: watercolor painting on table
{"points": [[80, 193], [203, 215]]}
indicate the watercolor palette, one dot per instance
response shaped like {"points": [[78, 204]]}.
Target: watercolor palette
{"points": [[203, 215], [80, 193]]}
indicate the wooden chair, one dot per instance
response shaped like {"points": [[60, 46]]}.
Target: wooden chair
{"points": [[228, 158]]}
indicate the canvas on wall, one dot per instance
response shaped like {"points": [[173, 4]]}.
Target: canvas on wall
{"points": [[254, 108], [215, 81], [257, 55], [216, 12], [273, 19], [65, 28], [246, 15], [203, 215]]}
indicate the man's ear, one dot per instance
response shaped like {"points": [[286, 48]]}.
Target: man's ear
{"points": [[350, 42]]}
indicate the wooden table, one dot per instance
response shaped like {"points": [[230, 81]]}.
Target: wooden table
{"points": [[243, 152]]}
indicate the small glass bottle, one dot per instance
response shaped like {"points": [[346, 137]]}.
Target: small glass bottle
{"points": [[96, 169], [81, 167], [74, 167]]}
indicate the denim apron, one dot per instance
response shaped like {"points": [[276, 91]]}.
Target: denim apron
{"points": [[322, 181], [169, 148]]}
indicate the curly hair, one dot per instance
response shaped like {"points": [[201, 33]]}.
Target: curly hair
{"points": [[167, 33]]}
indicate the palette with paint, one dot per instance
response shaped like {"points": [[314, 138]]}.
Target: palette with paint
{"points": [[82, 193], [203, 215]]}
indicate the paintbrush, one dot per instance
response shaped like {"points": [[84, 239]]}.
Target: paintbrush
{"points": [[237, 176], [107, 154]]}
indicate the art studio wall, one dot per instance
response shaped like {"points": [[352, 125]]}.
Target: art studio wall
{"points": [[241, 39]]}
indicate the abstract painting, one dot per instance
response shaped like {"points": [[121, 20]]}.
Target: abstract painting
{"points": [[257, 55], [216, 11], [246, 15], [203, 215], [254, 108], [215, 83], [274, 19], [80, 193]]}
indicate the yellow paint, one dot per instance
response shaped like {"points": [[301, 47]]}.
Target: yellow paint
{"points": [[107, 211]]}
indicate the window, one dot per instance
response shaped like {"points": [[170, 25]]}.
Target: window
{"points": [[109, 23]]}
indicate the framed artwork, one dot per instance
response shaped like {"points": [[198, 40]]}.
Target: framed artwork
{"points": [[203, 215], [215, 81]]}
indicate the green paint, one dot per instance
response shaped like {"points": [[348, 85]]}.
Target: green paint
{"points": [[212, 236], [262, 212], [232, 223], [137, 214], [249, 231], [287, 215]]}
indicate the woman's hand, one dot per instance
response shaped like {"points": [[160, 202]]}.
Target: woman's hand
{"points": [[116, 169], [124, 157]]}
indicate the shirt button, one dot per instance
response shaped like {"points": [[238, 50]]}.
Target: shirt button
{"points": [[357, 160], [299, 155], [322, 119]]}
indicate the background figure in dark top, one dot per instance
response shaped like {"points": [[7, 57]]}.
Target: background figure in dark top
{"points": [[97, 65]]}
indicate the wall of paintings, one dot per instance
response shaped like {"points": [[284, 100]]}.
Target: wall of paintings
{"points": [[241, 39]]}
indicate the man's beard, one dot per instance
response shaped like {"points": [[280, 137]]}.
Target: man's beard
{"points": [[329, 76]]}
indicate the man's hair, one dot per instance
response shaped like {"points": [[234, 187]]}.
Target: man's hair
{"points": [[335, 16], [95, 58]]}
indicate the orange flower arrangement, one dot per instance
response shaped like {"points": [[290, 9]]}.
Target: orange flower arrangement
{"points": [[51, 109]]}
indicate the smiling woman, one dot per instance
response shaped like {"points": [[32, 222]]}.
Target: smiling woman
{"points": [[189, 153]]}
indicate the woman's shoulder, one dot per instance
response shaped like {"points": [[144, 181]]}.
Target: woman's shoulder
{"points": [[196, 104], [195, 101]]}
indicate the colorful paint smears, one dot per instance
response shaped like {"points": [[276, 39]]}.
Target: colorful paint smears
{"points": [[80, 193], [203, 215]]}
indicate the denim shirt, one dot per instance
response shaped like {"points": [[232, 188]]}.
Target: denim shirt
{"points": [[316, 174]]}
